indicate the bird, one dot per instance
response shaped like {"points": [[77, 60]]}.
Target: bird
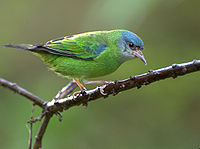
{"points": [[87, 55]]}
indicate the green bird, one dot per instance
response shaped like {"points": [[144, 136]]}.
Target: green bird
{"points": [[87, 55]]}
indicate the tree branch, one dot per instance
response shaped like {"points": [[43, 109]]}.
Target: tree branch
{"points": [[55, 106], [38, 137], [14, 87], [118, 86]]}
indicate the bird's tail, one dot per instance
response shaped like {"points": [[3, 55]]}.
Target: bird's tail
{"points": [[21, 46]]}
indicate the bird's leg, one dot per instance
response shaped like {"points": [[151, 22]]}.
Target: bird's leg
{"points": [[98, 82], [79, 92], [79, 84]]}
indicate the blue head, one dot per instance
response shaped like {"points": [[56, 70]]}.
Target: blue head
{"points": [[131, 46]]}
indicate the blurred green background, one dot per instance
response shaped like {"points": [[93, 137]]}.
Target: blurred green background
{"points": [[163, 115]]}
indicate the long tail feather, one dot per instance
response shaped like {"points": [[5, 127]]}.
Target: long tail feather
{"points": [[21, 46]]}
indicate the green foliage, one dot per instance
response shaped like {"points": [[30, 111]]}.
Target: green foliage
{"points": [[163, 115]]}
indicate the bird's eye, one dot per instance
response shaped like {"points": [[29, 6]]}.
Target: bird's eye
{"points": [[131, 45]]}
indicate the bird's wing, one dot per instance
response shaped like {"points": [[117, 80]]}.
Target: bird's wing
{"points": [[80, 48]]}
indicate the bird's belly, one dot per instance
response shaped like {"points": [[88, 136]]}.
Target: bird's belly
{"points": [[83, 68]]}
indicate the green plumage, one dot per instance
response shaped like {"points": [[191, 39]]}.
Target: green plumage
{"points": [[86, 55]]}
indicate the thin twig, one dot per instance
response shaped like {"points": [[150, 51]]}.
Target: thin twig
{"points": [[98, 82], [31, 129], [66, 90], [29, 132], [33, 120], [23, 92]]}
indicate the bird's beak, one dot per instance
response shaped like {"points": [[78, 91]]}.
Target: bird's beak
{"points": [[138, 53]]}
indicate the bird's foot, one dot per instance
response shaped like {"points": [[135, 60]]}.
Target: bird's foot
{"points": [[79, 93], [101, 89], [82, 92]]}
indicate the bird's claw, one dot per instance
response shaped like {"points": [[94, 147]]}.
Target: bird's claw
{"points": [[101, 90], [78, 94]]}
